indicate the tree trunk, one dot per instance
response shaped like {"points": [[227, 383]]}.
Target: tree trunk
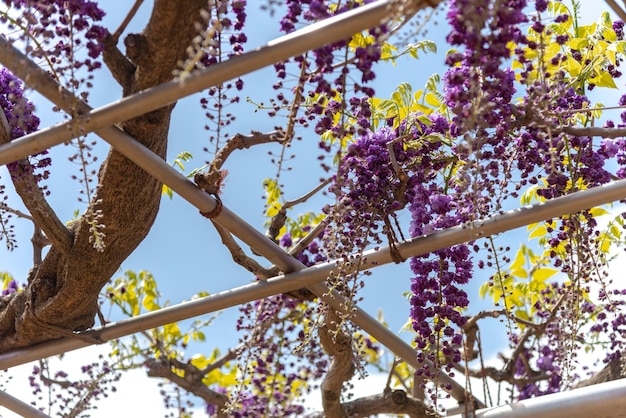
{"points": [[62, 293]]}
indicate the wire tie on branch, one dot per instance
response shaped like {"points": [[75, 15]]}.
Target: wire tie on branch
{"points": [[218, 208]]}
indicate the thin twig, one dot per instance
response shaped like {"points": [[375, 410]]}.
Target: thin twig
{"points": [[211, 180], [238, 255], [127, 19], [308, 195], [6, 208], [586, 110]]}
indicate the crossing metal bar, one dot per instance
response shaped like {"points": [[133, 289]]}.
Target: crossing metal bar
{"points": [[606, 400], [420, 245], [311, 37], [19, 407]]}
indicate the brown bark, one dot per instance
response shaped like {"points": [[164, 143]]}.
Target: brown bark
{"points": [[62, 296]]}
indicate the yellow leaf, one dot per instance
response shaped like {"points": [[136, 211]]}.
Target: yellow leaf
{"points": [[538, 232], [551, 51], [604, 80], [597, 211], [273, 209], [574, 67], [609, 35], [200, 361], [578, 43], [605, 243], [616, 232], [432, 100], [520, 259], [522, 314], [150, 304], [544, 273], [520, 272], [483, 289]]}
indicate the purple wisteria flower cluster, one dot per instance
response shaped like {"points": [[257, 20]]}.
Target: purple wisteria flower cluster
{"points": [[21, 120], [226, 21], [274, 330], [334, 91], [371, 189], [58, 32]]}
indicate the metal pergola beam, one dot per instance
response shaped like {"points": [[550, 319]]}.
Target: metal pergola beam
{"points": [[19, 407], [602, 400]]}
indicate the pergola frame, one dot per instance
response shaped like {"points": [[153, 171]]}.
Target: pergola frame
{"points": [[101, 121]]}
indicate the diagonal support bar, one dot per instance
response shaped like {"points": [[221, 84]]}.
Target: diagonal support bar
{"points": [[606, 400], [19, 407], [311, 37], [304, 278]]}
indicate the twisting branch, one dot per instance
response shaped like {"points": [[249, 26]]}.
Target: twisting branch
{"points": [[238, 255], [211, 180], [471, 328], [191, 383], [338, 345], [32, 197], [278, 221], [388, 402]]}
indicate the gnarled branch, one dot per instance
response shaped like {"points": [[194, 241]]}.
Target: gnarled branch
{"points": [[338, 345], [191, 383], [388, 402], [34, 200], [211, 180]]}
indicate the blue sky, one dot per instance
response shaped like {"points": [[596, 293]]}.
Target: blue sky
{"points": [[182, 251]]}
